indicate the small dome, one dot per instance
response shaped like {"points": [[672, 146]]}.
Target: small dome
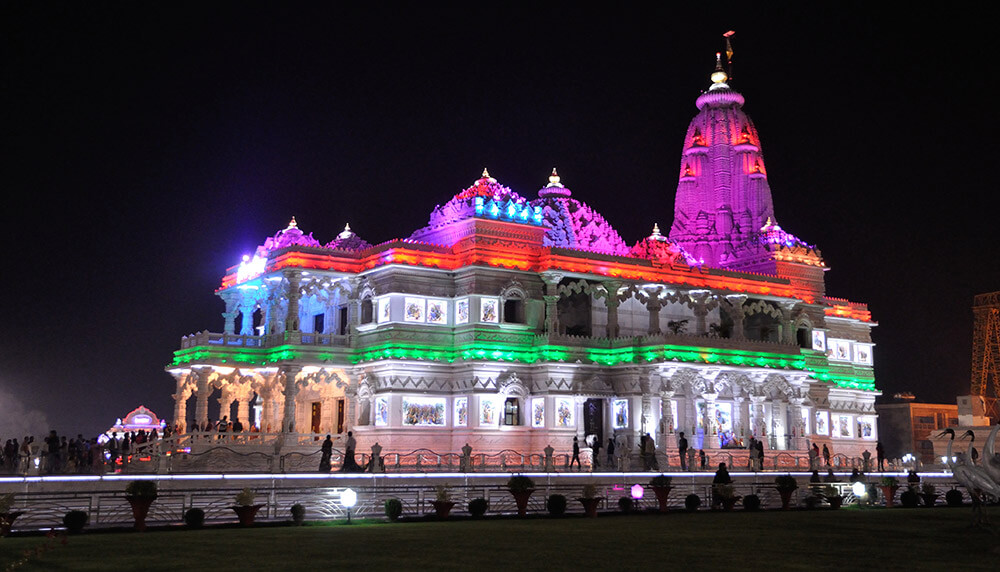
{"points": [[290, 236], [348, 240], [573, 224], [657, 248], [463, 205]]}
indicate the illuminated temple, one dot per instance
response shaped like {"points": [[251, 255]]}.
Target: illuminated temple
{"points": [[513, 321]]}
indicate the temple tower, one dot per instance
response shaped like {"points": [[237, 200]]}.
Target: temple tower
{"points": [[723, 199]]}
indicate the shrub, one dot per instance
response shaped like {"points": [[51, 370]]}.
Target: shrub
{"points": [[194, 518], [692, 502], [953, 497], [556, 505], [910, 499], [589, 491], [660, 481], [442, 494], [811, 501], [829, 492], [751, 502], [245, 497], [298, 514], [927, 489], [785, 483], [478, 507], [141, 488], [520, 483], [625, 504], [75, 520], [393, 508], [889, 482]]}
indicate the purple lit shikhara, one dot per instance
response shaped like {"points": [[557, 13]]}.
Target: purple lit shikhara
{"points": [[723, 211]]}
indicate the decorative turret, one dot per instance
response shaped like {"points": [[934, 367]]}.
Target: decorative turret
{"points": [[723, 197], [573, 224], [348, 240], [291, 235]]}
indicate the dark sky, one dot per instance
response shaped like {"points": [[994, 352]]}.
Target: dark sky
{"points": [[146, 148]]}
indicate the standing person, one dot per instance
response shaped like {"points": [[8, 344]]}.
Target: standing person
{"points": [[52, 452], [826, 455], [596, 447], [813, 457], [324, 460], [576, 454], [651, 454], [752, 453], [702, 460], [611, 452], [682, 449], [880, 454], [760, 455], [350, 465]]}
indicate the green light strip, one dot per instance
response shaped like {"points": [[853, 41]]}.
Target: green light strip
{"points": [[548, 353]]}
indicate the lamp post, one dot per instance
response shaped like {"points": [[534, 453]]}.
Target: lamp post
{"points": [[859, 490], [348, 498]]}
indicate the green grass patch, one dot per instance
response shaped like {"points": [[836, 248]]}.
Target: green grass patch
{"points": [[919, 539]]}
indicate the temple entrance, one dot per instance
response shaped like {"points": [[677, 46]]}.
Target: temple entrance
{"points": [[593, 418], [317, 410]]}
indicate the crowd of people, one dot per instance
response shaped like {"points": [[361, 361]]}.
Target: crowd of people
{"points": [[55, 454]]}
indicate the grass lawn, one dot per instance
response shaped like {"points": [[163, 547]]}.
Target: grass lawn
{"points": [[848, 539]]}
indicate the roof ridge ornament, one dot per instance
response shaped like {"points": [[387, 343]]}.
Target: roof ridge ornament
{"points": [[486, 177], [554, 179], [292, 224], [719, 76]]}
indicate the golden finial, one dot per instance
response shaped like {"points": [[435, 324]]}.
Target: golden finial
{"points": [[347, 232], [554, 179], [719, 76], [656, 231], [486, 173], [292, 223]]}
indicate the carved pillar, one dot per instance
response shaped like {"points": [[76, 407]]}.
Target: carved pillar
{"points": [[699, 305], [203, 391], [798, 429], [711, 427], [551, 298], [354, 307], [653, 305], [759, 423], [736, 302], [243, 410], [246, 324], [787, 327], [739, 418], [352, 408], [612, 302], [290, 391], [292, 317], [180, 403], [232, 302], [666, 417]]}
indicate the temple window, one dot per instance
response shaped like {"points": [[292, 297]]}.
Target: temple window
{"points": [[342, 324], [513, 311], [511, 412], [804, 338], [318, 321], [367, 311]]}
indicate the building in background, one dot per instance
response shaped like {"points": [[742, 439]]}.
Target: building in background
{"points": [[908, 427], [514, 322]]}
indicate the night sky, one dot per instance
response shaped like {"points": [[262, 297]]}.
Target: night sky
{"points": [[147, 148]]}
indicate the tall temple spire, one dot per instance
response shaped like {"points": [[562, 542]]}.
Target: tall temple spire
{"points": [[723, 198]]}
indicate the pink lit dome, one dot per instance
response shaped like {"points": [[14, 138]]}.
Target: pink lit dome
{"points": [[657, 248], [290, 236], [463, 205], [348, 240], [573, 224]]}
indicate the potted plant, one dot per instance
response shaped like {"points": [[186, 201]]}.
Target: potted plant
{"points": [[521, 487], [929, 494], [751, 503], [833, 496], [910, 498], [727, 496], [7, 516], [245, 509], [786, 485], [661, 486], [393, 508], [889, 485], [954, 498], [140, 494], [590, 500], [442, 502]]}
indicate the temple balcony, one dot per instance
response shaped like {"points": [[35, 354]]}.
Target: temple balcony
{"points": [[705, 341], [268, 341]]}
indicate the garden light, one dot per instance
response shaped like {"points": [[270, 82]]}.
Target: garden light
{"points": [[637, 491], [348, 498]]}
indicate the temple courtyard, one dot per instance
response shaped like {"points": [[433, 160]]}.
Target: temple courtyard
{"points": [[850, 538]]}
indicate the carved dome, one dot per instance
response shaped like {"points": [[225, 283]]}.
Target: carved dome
{"points": [[348, 240], [657, 248], [463, 205], [573, 224], [290, 236]]}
